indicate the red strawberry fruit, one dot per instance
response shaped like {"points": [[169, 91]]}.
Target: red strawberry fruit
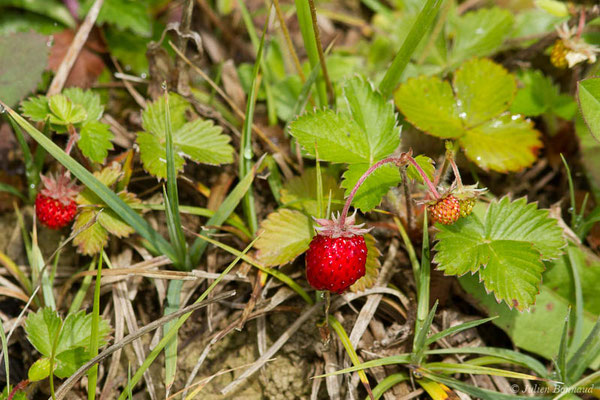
{"points": [[337, 255], [446, 210], [55, 205]]}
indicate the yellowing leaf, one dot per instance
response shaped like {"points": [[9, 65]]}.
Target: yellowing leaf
{"points": [[285, 235], [372, 266], [475, 114]]}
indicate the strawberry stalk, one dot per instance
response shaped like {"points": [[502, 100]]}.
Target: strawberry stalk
{"points": [[403, 159]]}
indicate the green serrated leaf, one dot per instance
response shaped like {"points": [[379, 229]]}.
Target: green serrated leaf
{"points": [[64, 111], [507, 249], [490, 137], [95, 141], [338, 137], [285, 234], [374, 115], [42, 328], [370, 193], [39, 370], [589, 102], [36, 108], [483, 90], [199, 140], [300, 192], [68, 362], [76, 332], [372, 266], [125, 14], [479, 33], [88, 99], [23, 58], [426, 164]]}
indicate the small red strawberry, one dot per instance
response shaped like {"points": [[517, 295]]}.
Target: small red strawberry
{"points": [[446, 210], [55, 204], [337, 255]]}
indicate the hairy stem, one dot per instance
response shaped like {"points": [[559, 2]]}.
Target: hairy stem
{"points": [[403, 159], [456, 173]]}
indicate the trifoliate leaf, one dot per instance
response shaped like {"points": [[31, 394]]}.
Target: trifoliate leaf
{"points": [[23, 58], [285, 235], [95, 141], [483, 90], [479, 33], [374, 115], [371, 268], [42, 329], [426, 164], [489, 137], [506, 248], [300, 192], [199, 140], [337, 137], [88, 99], [125, 14], [64, 111], [377, 184], [589, 102]]}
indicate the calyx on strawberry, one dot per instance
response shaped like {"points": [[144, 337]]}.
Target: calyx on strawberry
{"points": [[337, 255], [55, 205]]}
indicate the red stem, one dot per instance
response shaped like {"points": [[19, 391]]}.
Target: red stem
{"points": [[403, 159], [456, 173]]}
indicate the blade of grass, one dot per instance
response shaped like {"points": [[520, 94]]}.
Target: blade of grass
{"points": [[171, 198], [585, 354], [225, 209], [572, 209], [106, 195], [454, 368], [421, 332], [274, 178], [511, 355], [16, 272], [455, 329], [180, 321], [315, 25], [310, 45], [397, 359], [94, 340], [5, 354], [561, 360], [417, 32], [4, 187], [246, 144], [387, 383], [32, 173], [247, 18], [36, 260], [412, 255], [80, 295], [339, 330], [436, 390], [575, 261], [474, 391]]}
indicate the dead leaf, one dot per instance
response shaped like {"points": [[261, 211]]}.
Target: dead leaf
{"points": [[89, 64]]}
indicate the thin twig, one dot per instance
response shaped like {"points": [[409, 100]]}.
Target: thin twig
{"points": [[407, 199], [313, 14], [78, 41]]}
